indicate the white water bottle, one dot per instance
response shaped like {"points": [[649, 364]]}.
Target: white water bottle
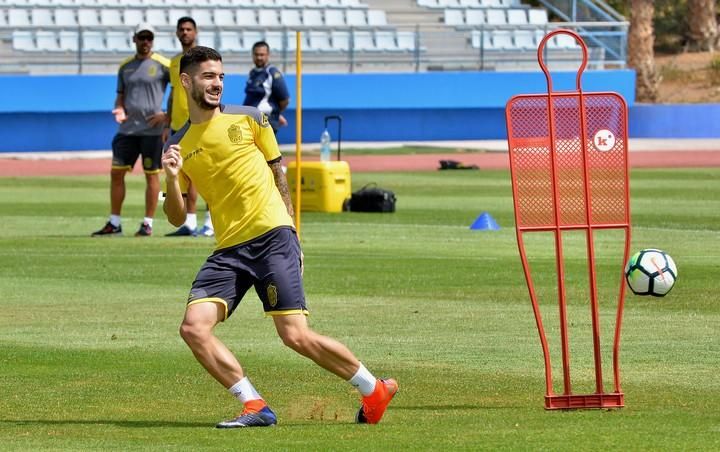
{"points": [[325, 146]]}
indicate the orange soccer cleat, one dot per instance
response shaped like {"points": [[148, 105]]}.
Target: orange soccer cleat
{"points": [[374, 406]]}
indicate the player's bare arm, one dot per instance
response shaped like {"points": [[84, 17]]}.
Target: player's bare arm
{"points": [[166, 130], [281, 183], [174, 205], [119, 110]]}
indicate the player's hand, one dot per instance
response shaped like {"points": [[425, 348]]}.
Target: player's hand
{"points": [[172, 161], [120, 115], [282, 121], [156, 119]]}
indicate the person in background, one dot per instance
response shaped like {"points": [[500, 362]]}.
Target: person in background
{"points": [[186, 32], [265, 87], [231, 156], [141, 84]]}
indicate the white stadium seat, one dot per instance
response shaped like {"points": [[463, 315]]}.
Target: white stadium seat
{"points": [[290, 18], [41, 17], [133, 17], [110, 17], [93, 41], [250, 38], [176, 13], [385, 40], [319, 40], [334, 18], [118, 41], [69, 40], [340, 40], [517, 17], [312, 18], [246, 17], [65, 17], [376, 18], [18, 17], [537, 16], [268, 18], [475, 17], [453, 17], [46, 41], [23, 40], [356, 18], [496, 17], [202, 17], [88, 17], [406, 40], [156, 17], [230, 42], [224, 17]]}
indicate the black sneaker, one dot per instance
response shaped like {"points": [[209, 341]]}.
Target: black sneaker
{"points": [[144, 231], [182, 231], [108, 231]]}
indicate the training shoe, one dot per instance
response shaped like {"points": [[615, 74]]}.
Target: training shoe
{"points": [[373, 406], [182, 231], [262, 418], [206, 231], [144, 231], [108, 231]]}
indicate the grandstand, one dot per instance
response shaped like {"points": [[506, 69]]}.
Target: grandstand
{"points": [[91, 36]]}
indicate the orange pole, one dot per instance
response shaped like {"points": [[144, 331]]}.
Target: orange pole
{"points": [[298, 130]]}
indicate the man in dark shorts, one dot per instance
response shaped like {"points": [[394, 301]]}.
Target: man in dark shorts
{"points": [[141, 84], [230, 155]]}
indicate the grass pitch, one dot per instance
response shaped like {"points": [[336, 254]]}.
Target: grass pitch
{"points": [[91, 358]]}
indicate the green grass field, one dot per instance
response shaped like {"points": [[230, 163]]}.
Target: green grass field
{"points": [[90, 357]]}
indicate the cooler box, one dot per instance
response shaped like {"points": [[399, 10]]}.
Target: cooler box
{"points": [[324, 186]]}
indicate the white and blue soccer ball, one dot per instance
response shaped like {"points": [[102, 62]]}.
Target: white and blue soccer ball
{"points": [[651, 272]]}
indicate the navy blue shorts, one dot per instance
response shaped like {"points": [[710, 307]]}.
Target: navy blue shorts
{"points": [[270, 262], [127, 148]]}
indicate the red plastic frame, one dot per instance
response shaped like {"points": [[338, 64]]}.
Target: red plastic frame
{"points": [[560, 182]]}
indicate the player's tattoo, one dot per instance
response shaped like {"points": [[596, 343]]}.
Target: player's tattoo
{"points": [[281, 183]]}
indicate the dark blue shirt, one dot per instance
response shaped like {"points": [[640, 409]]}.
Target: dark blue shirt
{"points": [[265, 89]]}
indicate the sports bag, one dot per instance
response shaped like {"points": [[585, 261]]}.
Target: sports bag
{"points": [[372, 198]]}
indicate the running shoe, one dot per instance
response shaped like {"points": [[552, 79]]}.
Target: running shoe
{"points": [[182, 231], [262, 418], [108, 231], [206, 231], [374, 406], [144, 231]]}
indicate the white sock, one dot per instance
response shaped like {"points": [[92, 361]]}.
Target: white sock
{"points": [[208, 220], [191, 220], [148, 221], [363, 380], [115, 220], [244, 391]]}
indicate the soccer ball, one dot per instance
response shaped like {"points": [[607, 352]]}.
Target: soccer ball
{"points": [[651, 272]]}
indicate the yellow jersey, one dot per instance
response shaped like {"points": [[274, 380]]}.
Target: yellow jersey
{"points": [[180, 112], [226, 159]]}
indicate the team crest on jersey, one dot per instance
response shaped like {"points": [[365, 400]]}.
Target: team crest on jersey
{"points": [[235, 133], [152, 71], [272, 295], [264, 122]]}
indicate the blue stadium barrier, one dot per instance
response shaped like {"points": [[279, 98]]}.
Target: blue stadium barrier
{"points": [[70, 113]]}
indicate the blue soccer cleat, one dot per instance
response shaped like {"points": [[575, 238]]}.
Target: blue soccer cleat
{"points": [[262, 418], [182, 231]]}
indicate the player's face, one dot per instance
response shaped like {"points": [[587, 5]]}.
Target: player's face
{"points": [[186, 34], [261, 55], [143, 42], [207, 84]]}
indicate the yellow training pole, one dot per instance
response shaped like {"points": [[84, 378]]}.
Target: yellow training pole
{"points": [[298, 129]]}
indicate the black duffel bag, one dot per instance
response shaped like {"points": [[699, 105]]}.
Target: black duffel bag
{"points": [[372, 198]]}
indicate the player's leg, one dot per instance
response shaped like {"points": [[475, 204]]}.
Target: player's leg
{"points": [[215, 293], [151, 150], [124, 154], [189, 228]]}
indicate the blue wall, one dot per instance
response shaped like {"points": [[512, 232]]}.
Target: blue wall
{"points": [[55, 113]]}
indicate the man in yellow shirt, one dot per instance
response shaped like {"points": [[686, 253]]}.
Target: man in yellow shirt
{"points": [[231, 156], [186, 32]]}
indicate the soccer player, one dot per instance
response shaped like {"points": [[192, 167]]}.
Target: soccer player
{"points": [[265, 87], [186, 32], [141, 84], [231, 156]]}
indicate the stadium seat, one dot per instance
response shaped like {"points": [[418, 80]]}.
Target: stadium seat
{"points": [[65, 17], [176, 13], [224, 17], [356, 18], [502, 39], [206, 38], [385, 40], [312, 18], [376, 18], [246, 17], [230, 42], [202, 16], [290, 18], [496, 17], [46, 41], [475, 17], [564, 42], [166, 43], [275, 40], [93, 41], [88, 17], [334, 18], [308, 3], [525, 39], [517, 17], [264, 3], [537, 16], [156, 17], [23, 40], [340, 40], [319, 41], [482, 39], [69, 40], [110, 17], [118, 41], [363, 40], [250, 38], [18, 18], [41, 17], [268, 18], [291, 40], [406, 40], [453, 17], [133, 17]]}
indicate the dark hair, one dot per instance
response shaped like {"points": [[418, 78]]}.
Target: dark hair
{"points": [[198, 55], [184, 19], [260, 44]]}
